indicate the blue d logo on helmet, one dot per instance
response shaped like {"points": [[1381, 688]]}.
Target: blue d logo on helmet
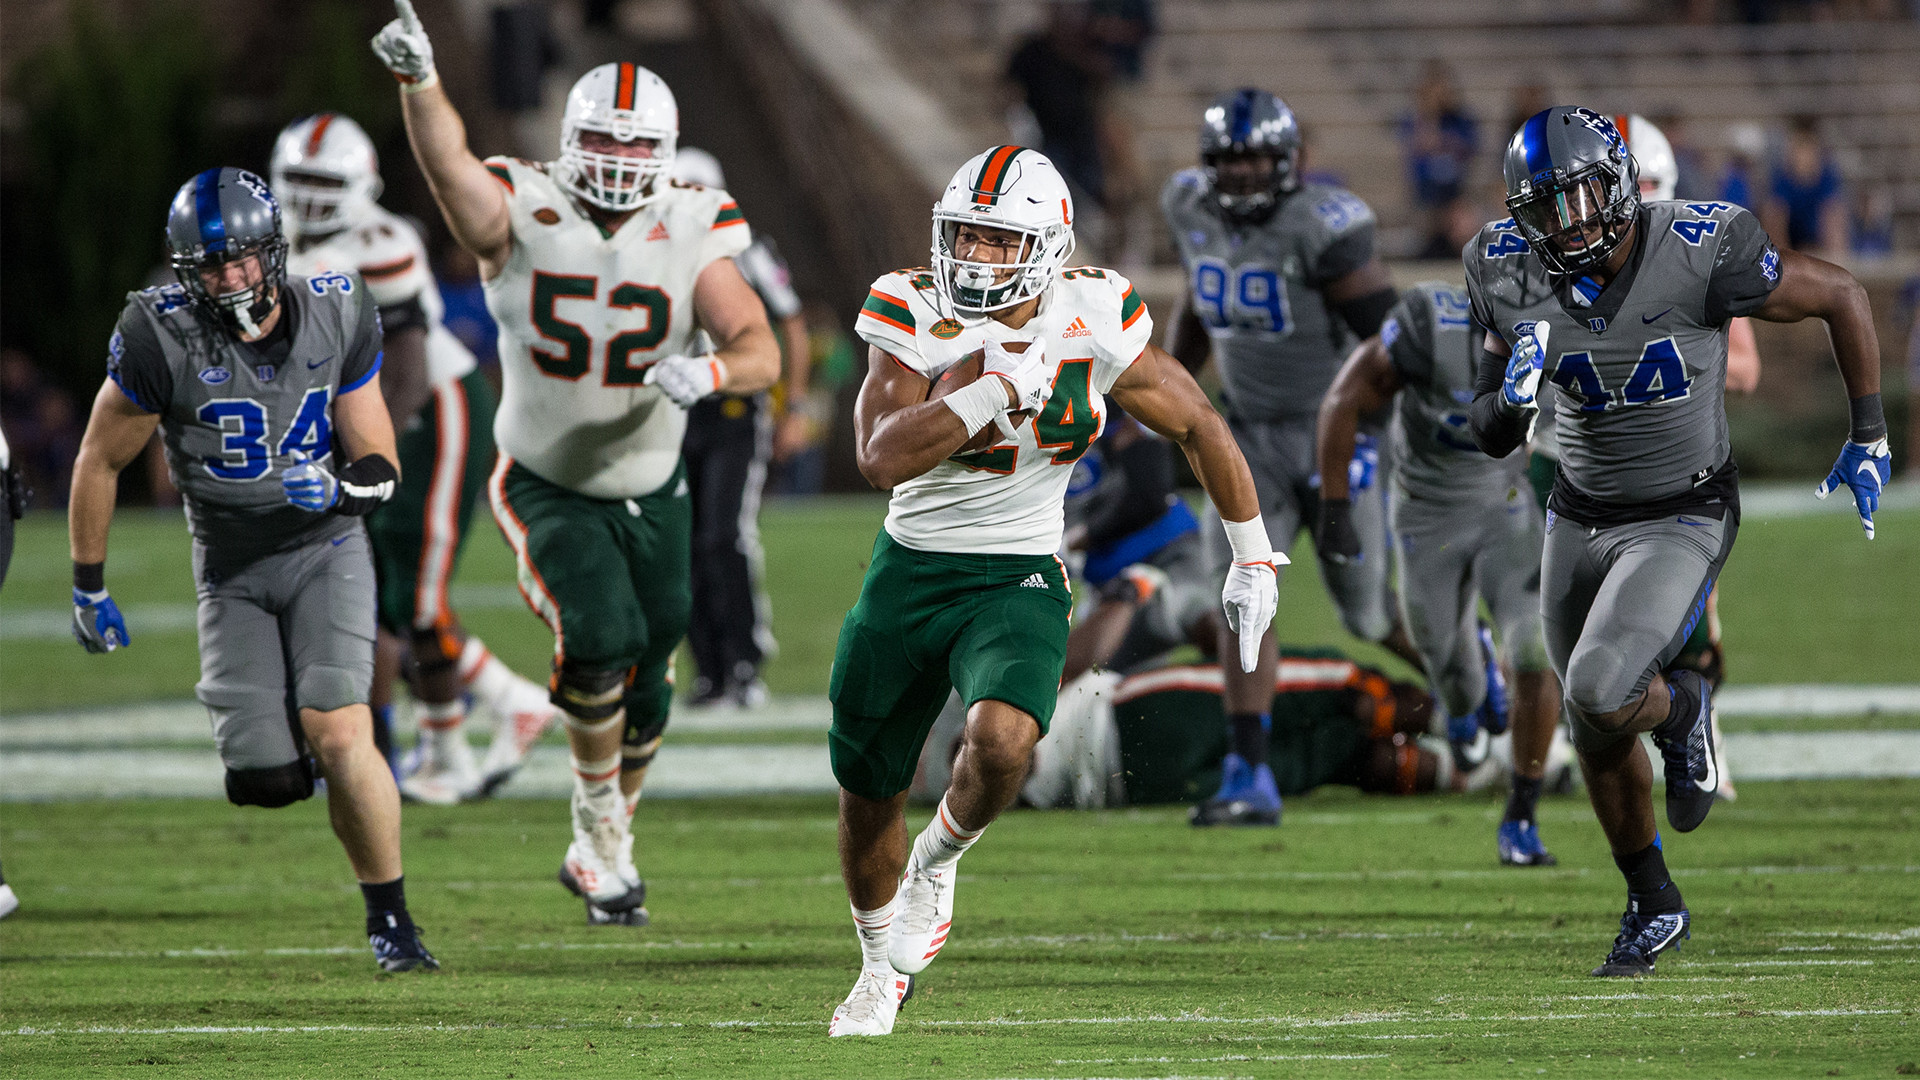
{"points": [[225, 216], [1572, 187]]}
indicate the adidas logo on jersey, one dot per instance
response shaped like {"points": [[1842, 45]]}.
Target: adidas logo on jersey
{"points": [[1078, 329], [659, 231], [1034, 581]]}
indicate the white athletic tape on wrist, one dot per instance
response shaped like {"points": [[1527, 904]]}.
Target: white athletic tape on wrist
{"points": [[977, 403], [430, 79], [1249, 540]]}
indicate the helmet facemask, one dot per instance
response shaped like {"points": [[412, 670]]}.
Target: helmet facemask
{"points": [[616, 182], [973, 287], [320, 204], [1259, 200], [242, 310], [1576, 223]]}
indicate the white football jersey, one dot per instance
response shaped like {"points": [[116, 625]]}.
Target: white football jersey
{"points": [[389, 255], [1008, 498], [583, 314]]}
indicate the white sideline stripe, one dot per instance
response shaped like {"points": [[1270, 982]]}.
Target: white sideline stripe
{"points": [[997, 1021], [1816, 699]]}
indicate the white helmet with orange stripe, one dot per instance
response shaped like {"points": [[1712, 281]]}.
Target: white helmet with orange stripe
{"points": [[1011, 188], [1659, 169], [614, 113], [325, 173]]}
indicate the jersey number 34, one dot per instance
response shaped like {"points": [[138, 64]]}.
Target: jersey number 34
{"points": [[576, 345]]}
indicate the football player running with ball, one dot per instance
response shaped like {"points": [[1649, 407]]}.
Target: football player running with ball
{"points": [[592, 265], [327, 177], [964, 590], [1467, 529], [266, 390], [1282, 281], [1623, 307]]}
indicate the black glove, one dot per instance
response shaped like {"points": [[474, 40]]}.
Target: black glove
{"points": [[1335, 537]]}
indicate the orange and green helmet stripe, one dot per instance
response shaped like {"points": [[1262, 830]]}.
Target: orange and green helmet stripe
{"points": [[992, 178], [319, 133], [623, 94], [888, 309], [1130, 308]]}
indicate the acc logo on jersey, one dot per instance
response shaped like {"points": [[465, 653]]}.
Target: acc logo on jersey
{"points": [[547, 215], [214, 376], [946, 329]]}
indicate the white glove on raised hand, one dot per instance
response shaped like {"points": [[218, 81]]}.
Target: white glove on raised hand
{"points": [[1252, 593], [402, 45], [1522, 384], [687, 379]]}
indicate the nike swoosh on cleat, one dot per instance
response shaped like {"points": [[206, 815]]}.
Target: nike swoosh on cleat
{"points": [[1644, 320], [342, 540]]}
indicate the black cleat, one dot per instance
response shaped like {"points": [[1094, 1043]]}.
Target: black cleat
{"points": [[1692, 773], [1642, 940], [397, 947]]}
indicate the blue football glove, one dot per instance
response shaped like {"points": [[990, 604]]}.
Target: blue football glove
{"points": [[1866, 468], [308, 485], [97, 622], [1524, 367], [1365, 463]]}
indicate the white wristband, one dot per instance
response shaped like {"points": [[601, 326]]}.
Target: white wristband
{"points": [[977, 403], [425, 82], [1249, 540]]}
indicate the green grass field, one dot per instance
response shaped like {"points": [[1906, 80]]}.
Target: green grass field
{"points": [[1367, 937], [1803, 599]]}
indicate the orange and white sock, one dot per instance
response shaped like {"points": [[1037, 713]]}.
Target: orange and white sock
{"points": [[943, 841], [442, 718], [874, 929]]}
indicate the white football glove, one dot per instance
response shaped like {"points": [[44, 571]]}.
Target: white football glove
{"points": [[687, 379], [1028, 372], [1521, 386], [402, 45], [1251, 597]]}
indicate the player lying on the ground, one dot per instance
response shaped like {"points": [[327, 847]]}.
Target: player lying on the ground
{"points": [[985, 383], [1623, 307], [255, 379], [600, 272], [1282, 281], [327, 178], [1139, 552], [1467, 530]]}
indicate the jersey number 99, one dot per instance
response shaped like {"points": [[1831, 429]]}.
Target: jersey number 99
{"points": [[577, 345], [1247, 298]]}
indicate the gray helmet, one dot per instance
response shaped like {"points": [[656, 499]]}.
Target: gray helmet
{"points": [[1250, 121], [223, 216], [1568, 172]]}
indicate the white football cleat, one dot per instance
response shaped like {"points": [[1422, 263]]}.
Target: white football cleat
{"points": [[871, 1007], [1726, 791], [599, 882], [924, 917], [518, 725], [445, 772]]}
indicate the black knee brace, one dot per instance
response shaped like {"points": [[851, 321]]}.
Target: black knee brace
{"points": [[273, 787], [639, 745], [434, 649], [588, 695]]}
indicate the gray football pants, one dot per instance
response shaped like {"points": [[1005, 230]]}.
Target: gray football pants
{"points": [[1453, 552], [290, 631], [1619, 602], [1281, 457]]}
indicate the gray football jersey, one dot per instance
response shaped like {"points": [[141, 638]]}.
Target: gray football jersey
{"points": [[231, 412], [1639, 369], [1431, 341], [1257, 290]]}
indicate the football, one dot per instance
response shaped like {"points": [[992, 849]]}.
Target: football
{"points": [[963, 372]]}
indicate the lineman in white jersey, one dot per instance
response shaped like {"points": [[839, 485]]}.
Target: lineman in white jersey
{"points": [[964, 590], [600, 272], [327, 175]]}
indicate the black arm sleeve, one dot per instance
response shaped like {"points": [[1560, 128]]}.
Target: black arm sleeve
{"points": [[404, 315], [364, 485], [1147, 467], [136, 363], [1745, 270], [1498, 429], [1365, 313]]}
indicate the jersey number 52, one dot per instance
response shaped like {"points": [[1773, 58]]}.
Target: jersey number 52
{"points": [[576, 345]]}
